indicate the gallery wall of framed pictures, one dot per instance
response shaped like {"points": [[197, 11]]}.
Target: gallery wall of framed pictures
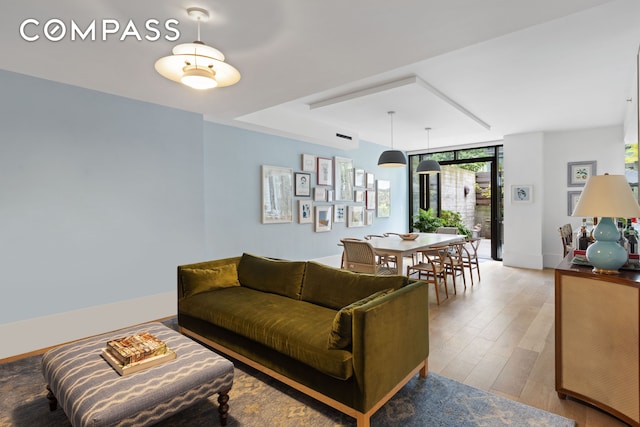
{"points": [[323, 192]]}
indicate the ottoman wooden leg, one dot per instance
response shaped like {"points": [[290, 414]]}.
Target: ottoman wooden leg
{"points": [[223, 409], [53, 402]]}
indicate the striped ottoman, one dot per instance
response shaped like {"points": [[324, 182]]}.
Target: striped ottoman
{"points": [[92, 393]]}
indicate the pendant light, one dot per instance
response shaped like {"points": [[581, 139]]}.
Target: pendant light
{"points": [[195, 64], [428, 166], [392, 158]]}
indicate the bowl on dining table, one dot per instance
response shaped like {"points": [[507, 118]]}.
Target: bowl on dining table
{"points": [[409, 236]]}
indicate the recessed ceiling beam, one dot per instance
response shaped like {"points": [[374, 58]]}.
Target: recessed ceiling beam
{"points": [[412, 80]]}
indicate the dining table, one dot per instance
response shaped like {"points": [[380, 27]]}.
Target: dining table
{"points": [[394, 245]]}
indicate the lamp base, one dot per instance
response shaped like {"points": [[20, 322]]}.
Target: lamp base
{"points": [[606, 255]]}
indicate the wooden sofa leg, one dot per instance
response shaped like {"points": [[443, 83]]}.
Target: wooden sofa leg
{"points": [[425, 369], [362, 420], [223, 408]]}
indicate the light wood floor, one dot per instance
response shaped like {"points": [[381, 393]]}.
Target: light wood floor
{"points": [[499, 336]]}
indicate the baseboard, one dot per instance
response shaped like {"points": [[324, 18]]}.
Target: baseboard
{"points": [[33, 335]]}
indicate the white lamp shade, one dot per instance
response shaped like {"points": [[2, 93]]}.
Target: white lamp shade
{"points": [[197, 55], [607, 196]]}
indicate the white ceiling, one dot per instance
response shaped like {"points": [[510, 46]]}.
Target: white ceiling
{"points": [[451, 65]]}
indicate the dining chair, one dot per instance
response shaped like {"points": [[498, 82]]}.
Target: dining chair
{"points": [[452, 262], [469, 250], [360, 257], [430, 268], [566, 235], [386, 260], [447, 230]]}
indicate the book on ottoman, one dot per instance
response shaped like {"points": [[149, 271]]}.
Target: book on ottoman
{"points": [[136, 352]]}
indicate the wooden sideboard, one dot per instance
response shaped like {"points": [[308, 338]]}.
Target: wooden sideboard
{"points": [[597, 324]]}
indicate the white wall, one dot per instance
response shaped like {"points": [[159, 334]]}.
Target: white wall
{"points": [[605, 145], [540, 159], [523, 165]]}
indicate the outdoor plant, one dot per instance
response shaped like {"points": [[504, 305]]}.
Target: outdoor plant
{"points": [[427, 222]]}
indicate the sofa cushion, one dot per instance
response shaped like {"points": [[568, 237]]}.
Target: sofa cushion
{"points": [[335, 288], [270, 275], [295, 328], [197, 280], [340, 336]]}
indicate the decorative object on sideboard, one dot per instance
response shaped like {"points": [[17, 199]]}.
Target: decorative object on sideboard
{"points": [[607, 196]]}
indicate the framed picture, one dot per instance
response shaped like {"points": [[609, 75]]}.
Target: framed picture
{"points": [[521, 193], [358, 196], [343, 179], [383, 201], [340, 213], [368, 218], [325, 171], [358, 178], [277, 194], [305, 214], [370, 181], [303, 184], [578, 173], [355, 217], [308, 163], [320, 194], [323, 219], [330, 196], [572, 201], [371, 199]]}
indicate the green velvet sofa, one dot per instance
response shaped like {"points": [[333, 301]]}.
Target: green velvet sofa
{"points": [[349, 340]]}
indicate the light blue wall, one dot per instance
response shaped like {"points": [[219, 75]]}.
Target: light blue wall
{"points": [[100, 197], [233, 160]]}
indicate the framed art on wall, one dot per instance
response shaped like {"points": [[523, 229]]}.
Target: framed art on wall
{"points": [[383, 198], [277, 194], [370, 181], [343, 179], [340, 213], [305, 214], [320, 194], [521, 193], [308, 163], [355, 217], [572, 201], [323, 219], [303, 184], [358, 178], [578, 173], [325, 171], [371, 199]]}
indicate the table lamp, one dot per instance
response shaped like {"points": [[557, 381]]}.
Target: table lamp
{"points": [[607, 196]]}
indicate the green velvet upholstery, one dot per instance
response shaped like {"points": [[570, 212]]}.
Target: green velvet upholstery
{"points": [[206, 265], [335, 288], [295, 328], [198, 280], [288, 335], [340, 336], [269, 275]]}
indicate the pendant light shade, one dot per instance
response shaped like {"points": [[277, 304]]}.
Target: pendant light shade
{"points": [[197, 65], [392, 158], [428, 166]]}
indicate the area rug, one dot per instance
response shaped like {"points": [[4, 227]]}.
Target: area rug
{"points": [[258, 400]]}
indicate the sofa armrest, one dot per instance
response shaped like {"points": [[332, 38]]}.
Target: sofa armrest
{"points": [[390, 339]]}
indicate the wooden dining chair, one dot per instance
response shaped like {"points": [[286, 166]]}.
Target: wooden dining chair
{"points": [[566, 235], [452, 261], [386, 260], [469, 250], [430, 268], [360, 257]]}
